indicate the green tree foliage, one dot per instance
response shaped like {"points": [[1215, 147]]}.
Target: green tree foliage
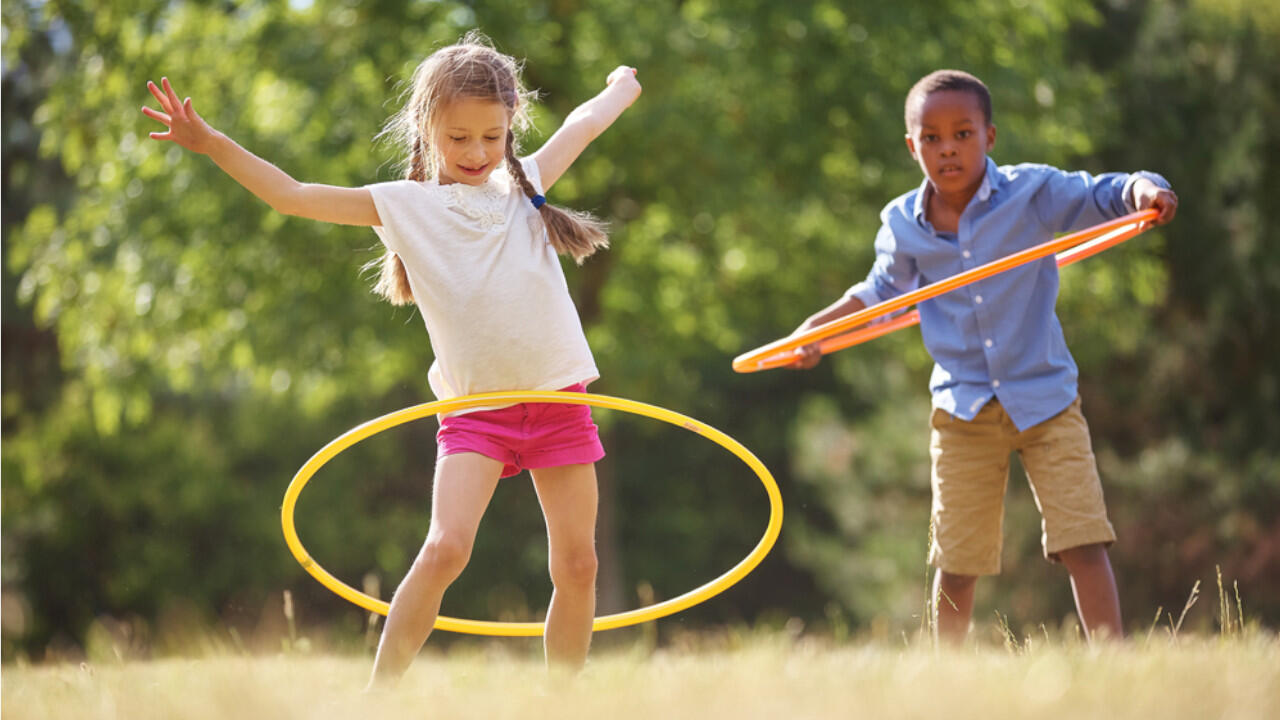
{"points": [[174, 350]]}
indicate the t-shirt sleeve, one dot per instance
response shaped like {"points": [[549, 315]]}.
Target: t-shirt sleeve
{"points": [[397, 203]]}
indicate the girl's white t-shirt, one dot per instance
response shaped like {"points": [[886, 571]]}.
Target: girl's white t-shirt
{"points": [[488, 283]]}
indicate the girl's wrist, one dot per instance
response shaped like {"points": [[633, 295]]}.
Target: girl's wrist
{"points": [[215, 143]]}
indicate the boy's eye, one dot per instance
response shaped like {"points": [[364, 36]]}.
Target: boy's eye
{"points": [[964, 134], [929, 138]]}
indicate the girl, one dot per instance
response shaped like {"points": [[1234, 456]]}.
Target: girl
{"points": [[471, 240]]}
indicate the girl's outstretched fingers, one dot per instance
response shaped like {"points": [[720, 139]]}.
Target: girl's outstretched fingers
{"points": [[159, 116], [185, 126], [165, 117]]}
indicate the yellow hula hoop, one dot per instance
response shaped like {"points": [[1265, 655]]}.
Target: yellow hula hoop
{"points": [[480, 627]]}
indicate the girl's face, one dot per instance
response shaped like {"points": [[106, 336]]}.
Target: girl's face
{"points": [[470, 140], [951, 140]]}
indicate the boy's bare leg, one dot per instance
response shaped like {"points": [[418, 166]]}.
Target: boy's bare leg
{"points": [[569, 498], [953, 600], [464, 484], [1094, 587]]}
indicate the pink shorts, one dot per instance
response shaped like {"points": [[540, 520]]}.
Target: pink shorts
{"points": [[525, 436]]}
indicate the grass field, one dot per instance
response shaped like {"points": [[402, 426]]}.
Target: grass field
{"points": [[747, 676]]}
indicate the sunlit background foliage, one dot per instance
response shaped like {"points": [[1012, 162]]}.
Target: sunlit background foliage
{"points": [[174, 350]]}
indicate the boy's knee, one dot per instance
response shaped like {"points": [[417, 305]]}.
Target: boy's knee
{"points": [[952, 581], [1083, 555], [574, 568]]}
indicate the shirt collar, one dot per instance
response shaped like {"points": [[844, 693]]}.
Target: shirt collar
{"points": [[985, 190]]}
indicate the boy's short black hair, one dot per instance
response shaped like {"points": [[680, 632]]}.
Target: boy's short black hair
{"points": [[940, 80]]}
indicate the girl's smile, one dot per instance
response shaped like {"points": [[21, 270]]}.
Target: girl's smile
{"points": [[474, 171]]}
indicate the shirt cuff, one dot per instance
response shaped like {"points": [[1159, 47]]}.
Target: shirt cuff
{"points": [[866, 292], [1127, 192]]}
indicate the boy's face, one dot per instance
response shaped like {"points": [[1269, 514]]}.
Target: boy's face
{"points": [[950, 139]]}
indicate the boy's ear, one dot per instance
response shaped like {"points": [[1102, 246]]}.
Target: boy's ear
{"points": [[991, 136], [911, 144]]}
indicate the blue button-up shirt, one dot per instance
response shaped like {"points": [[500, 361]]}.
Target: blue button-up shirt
{"points": [[997, 337]]}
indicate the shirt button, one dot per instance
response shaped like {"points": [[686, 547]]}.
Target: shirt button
{"points": [[965, 253], [989, 343], [978, 299], [995, 383]]}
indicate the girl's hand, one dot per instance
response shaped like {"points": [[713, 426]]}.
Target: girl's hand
{"points": [[624, 78], [1147, 194], [585, 124], [186, 128]]}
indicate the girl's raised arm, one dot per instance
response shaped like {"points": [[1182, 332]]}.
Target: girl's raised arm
{"points": [[346, 206], [585, 124]]}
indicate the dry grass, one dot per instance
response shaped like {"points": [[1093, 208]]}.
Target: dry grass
{"points": [[737, 674], [745, 676]]}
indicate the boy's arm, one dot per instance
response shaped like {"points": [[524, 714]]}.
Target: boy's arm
{"points": [[347, 206], [808, 356], [892, 274], [1070, 201], [586, 123]]}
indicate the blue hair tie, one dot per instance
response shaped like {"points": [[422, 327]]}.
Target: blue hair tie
{"points": [[538, 201]]}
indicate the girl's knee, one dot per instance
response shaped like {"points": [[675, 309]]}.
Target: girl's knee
{"points": [[443, 556], [574, 568]]}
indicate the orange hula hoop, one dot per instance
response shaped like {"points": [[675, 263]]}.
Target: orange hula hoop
{"points": [[845, 332]]}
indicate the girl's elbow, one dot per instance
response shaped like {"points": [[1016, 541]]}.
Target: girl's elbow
{"points": [[290, 202], [282, 206], [589, 123]]}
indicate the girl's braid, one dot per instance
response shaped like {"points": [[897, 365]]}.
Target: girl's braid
{"points": [[571, 233], [393, 280]]}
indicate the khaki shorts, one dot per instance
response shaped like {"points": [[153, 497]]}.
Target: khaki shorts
{"points": [[971, 470]]}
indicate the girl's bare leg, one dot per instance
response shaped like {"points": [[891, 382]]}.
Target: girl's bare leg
{"points": [[569, 499], [464, 484]]}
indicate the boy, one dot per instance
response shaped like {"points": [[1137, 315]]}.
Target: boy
{"points": [[1003, 379]]}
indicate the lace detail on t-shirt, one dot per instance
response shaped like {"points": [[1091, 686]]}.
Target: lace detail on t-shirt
{"points": [[486, 203]]}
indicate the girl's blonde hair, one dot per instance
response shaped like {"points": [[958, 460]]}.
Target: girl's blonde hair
{"points": [[471, 68]]}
